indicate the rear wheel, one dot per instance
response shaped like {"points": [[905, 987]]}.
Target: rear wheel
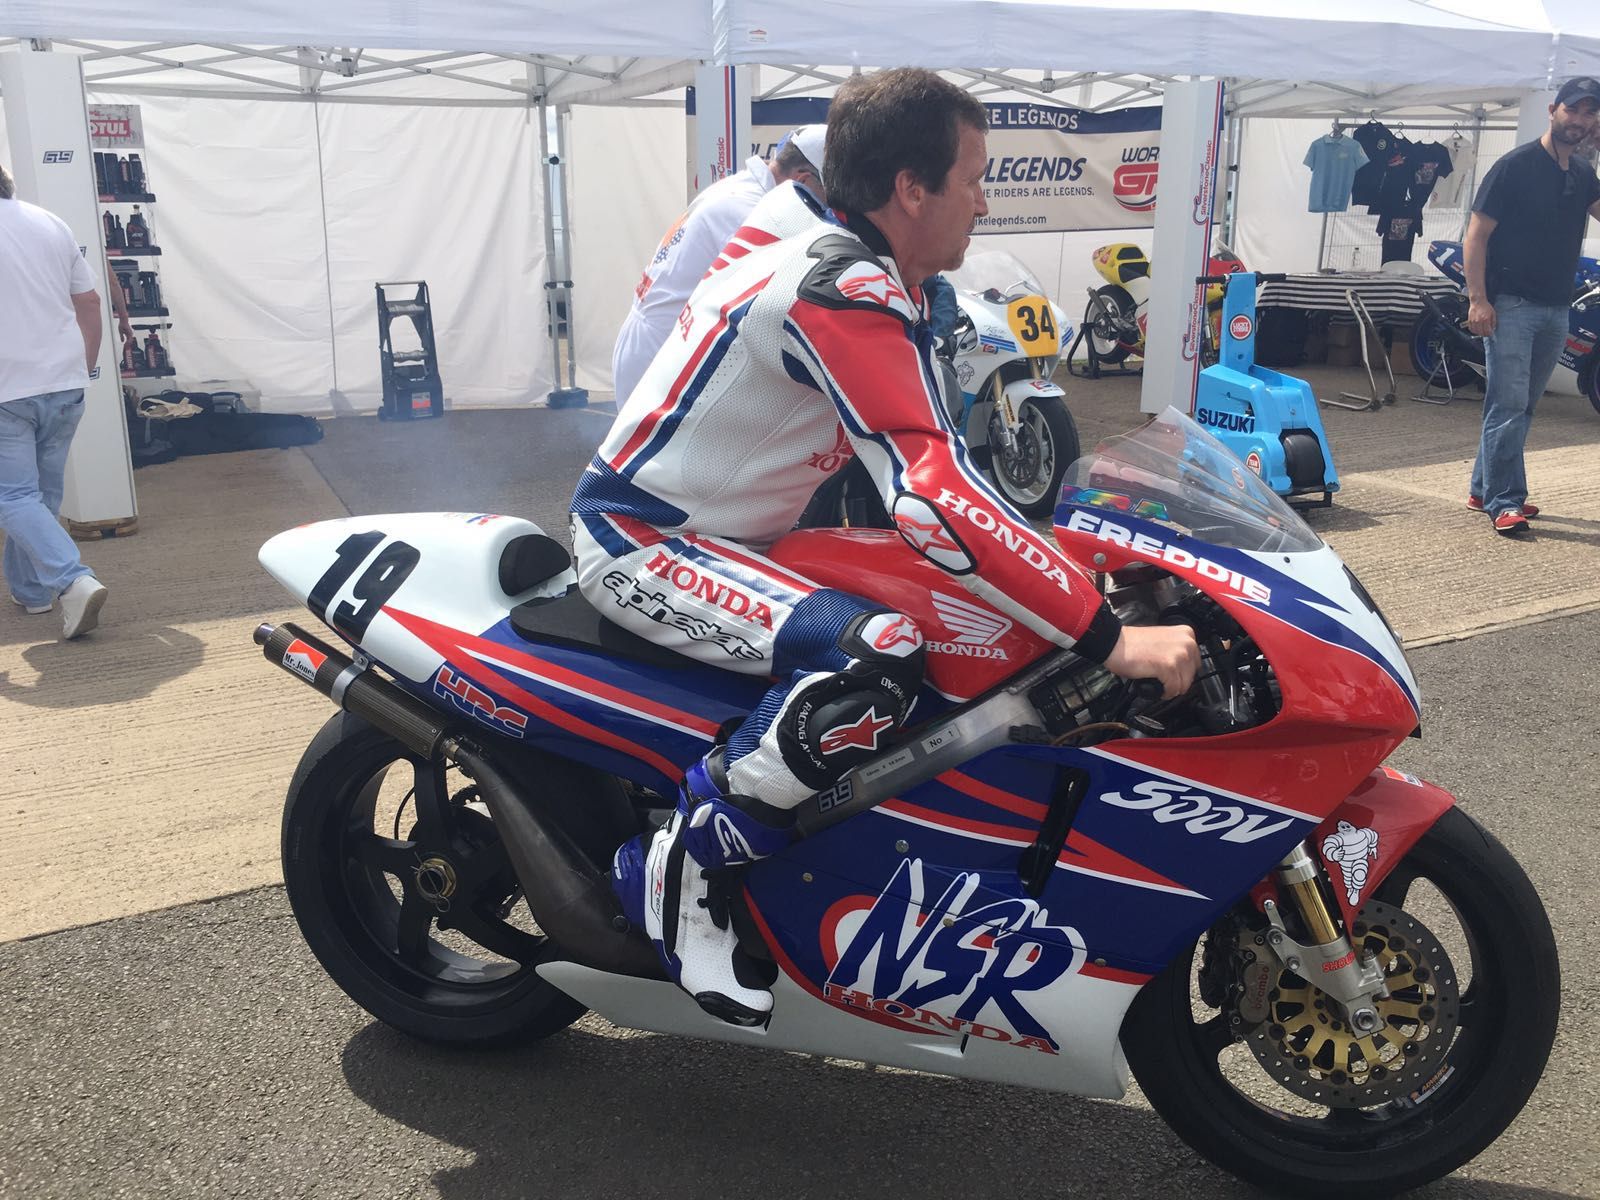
{"points": [[1299, 1102], [1029, 474], [403, 890], [1437, 354], [1108, 318]]}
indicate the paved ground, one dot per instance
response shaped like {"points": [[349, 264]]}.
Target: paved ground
{"points": [[197, 1051]]}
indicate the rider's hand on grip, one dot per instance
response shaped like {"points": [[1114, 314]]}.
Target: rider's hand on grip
{"points": [[1164, 652]]}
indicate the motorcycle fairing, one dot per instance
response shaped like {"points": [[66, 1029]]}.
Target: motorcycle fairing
{"points": [[1366, 836]]}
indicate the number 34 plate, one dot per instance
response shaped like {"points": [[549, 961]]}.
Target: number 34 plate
{"points": [[1034, 325]]}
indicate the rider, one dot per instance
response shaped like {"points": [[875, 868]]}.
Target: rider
{"points": [[804, 342]]}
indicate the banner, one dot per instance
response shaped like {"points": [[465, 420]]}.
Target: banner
{"points": [[1056, 169], [115, 127]]}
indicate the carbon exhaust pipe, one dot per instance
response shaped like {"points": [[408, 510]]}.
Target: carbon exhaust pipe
{"points": [[571, 898]]}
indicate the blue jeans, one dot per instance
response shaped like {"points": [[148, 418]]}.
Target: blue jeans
{"points": [[40, 560], [1522, 354]]}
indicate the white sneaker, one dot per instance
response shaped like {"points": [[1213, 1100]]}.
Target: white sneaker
{"points": [[31, 609], [80, 606]]}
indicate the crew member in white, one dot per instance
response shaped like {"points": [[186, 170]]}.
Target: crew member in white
{"points": [[694, 241]]}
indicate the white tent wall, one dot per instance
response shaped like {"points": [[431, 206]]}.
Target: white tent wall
{"points": [[240, 228], [627, 179], [452, 196], [444, 193]]}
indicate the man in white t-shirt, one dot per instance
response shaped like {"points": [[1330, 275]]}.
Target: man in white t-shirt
{"points": [[688, 249], [52, 325]]}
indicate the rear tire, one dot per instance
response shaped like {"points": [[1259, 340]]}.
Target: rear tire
{"points": [[1110, 306], [1490, 1064], [421, 928]]}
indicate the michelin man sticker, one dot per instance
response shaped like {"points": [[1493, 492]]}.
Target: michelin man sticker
{"points": [[1351, 848]]}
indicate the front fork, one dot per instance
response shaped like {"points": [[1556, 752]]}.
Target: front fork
{"points": [[1330, 964], [1007, 414]]}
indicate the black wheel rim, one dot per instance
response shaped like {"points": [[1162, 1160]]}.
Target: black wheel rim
{"points": [[434, 912], [1025, 474]]}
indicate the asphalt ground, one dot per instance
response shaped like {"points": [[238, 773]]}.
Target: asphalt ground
{"points": [[201, 1052], [198, 1050]]}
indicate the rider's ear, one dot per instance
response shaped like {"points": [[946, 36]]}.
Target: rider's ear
{"points": [[909, 190]]}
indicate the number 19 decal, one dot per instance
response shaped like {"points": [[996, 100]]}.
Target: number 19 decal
{"points": [[380, 581]]}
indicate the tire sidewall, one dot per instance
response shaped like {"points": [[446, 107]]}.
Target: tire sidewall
{"points": [[1063, 433]]}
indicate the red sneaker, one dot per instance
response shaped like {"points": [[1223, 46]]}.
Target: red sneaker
{"points": [[1511, 522], [1475, 503]]}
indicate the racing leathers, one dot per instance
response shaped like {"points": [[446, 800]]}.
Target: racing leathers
{"points": [[802, 345]]}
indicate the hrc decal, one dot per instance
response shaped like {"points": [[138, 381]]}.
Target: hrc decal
{"points": [[476, 702], [949, 965]]}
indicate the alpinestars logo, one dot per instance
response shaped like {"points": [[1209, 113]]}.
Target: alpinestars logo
{"points": [[976, 629], [858, 735], [863, 281]]}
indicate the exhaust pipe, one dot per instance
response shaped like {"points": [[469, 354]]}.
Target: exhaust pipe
{"points": [[571, 898]]}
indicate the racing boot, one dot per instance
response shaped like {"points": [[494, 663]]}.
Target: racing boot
{"points": [[681, 883]]}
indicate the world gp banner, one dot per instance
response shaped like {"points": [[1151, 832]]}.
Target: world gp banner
{"points": [[1055, 169]]}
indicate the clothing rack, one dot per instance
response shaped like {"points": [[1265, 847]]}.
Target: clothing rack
{"points": [[1464, 128]]}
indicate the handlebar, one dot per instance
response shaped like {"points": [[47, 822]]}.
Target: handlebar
{"points": [[1261, 277]]}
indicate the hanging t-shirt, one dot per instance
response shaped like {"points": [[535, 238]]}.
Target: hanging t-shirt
{"points": [[1426, 164], [1394, 189], [1399, 234], [1447, 193], [1333, 161], [1376, 140]]}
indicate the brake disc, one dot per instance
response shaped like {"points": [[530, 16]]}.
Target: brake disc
{"points": [[1307, 1046]]}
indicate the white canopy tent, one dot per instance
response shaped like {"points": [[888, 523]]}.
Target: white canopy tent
{"points": [[202, 72]]}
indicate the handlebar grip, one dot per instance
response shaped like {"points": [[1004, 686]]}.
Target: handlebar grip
{"points": [[1205, 279]]}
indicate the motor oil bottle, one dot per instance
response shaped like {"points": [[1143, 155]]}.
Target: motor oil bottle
{"points": [[155, 354], [138, 231]]}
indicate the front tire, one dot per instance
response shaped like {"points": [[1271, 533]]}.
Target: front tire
{"points": [[1047, 444], [403, 891], [1217, 1097]]}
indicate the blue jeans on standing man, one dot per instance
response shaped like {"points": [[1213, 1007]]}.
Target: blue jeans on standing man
{"points": [[1522, 353], [35, 434]]}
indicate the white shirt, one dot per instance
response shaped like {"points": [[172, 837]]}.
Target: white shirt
{"points": [[41, 269], [1447, 193], [680, 262]]}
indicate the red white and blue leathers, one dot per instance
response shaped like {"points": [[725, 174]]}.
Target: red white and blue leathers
{"points": [[802, 346]]}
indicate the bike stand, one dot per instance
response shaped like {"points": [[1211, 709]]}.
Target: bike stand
{"points": [[1095, 368], [1373, 401]]}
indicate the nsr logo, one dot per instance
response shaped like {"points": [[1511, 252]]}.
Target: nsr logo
{"points": [[1169, 802], [948, 967]]}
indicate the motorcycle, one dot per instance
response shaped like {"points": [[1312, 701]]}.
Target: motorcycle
{"points": [[1445, 353], [1114, 320], [1311, 963], [995, 372]]}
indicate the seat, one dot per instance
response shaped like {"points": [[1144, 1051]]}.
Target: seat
{"points": [[570, 620], [529, 560]]}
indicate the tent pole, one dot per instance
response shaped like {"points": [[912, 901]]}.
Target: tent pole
{"points": [[549, 228], [566, 247]]}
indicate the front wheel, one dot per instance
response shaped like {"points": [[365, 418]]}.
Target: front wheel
{"points": [[1300, 1102], [403, 890], [1029, 473]]}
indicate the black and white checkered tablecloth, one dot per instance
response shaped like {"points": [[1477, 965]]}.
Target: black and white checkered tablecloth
{"points": [[1387, 297]]}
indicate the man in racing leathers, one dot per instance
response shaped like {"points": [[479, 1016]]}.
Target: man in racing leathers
{"points": [[804, 342], [694, 241]]}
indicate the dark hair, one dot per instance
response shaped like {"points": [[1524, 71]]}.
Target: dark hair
{"points": [[792, 160], [906, 119]]}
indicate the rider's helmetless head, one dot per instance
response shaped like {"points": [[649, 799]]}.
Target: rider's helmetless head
{"points": [[907, 150]]}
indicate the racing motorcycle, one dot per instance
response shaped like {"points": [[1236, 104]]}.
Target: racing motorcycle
{"points": [[1445, 353], [1311, 963], [995, 380], [1114, 320]]}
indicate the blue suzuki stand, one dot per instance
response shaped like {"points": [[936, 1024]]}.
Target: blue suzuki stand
{"points": [[1270, 420]]}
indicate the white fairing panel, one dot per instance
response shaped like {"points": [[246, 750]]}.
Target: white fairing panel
{"points": [[1089, 1012], [455, 580]]}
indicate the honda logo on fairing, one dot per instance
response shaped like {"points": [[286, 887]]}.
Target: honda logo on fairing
{"points": [[1168, 801], [975, 629]]}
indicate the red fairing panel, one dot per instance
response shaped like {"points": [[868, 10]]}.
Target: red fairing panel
{"points": [[1363, 839], [972, 646]]}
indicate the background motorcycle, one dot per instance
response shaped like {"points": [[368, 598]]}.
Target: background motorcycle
{"points": [[997, 391], [1114, 320], [1325, 977], [1447, 354]]}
